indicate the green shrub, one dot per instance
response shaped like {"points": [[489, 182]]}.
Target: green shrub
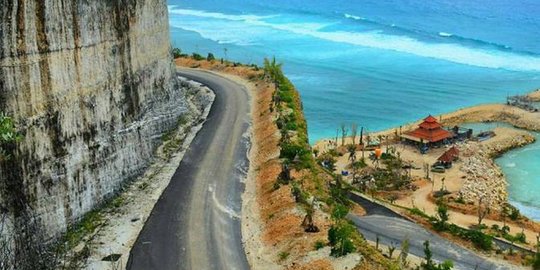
{"points": [[519, 237], [177, 53], [340, 193], [442, 214], [299, 195], [286, 96], [340, 238], [536, 261], [291, 126], [514, 213], [505, 229], [283, 255], [319, 244], [418, 212], [289, 151], [339, 211], [429, 264], [197, 56], [210, 57], [480, 239], [276, 185], [8, 135]]}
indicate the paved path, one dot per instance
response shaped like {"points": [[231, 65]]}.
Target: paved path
{"points": [[392, 229], [196, 222]]}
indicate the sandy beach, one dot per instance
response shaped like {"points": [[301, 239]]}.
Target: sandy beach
{"points": [[474, 175]]}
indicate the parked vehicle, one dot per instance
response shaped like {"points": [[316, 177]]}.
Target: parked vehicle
{"points": [[438, 169]]}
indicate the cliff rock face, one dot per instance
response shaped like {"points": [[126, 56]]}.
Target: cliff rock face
{"points": [[91, 86]]}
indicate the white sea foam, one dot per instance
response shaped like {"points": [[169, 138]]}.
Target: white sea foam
{"points": [[373, 39], [215, 15], [444, 34], [349, 16], [511, 165]]}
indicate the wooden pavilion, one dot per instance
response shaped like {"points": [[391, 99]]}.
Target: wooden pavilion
{"points": [[429, 132], [448, 157]]}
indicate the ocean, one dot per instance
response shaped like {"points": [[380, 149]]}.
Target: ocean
{"points": [[376, 63]]}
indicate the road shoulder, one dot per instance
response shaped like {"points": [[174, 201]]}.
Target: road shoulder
{"points": [[122, 223]]}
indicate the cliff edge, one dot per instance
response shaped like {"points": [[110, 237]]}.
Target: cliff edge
{"points": [[91, 87]]}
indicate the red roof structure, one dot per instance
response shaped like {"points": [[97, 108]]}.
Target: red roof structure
{"points": [[450, 155], [429, 131]]}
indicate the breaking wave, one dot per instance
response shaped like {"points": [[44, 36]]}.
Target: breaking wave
{"points": [[452, 52]]}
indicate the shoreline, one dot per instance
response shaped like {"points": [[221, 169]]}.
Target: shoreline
{"points": [[270, 215], [495, 182]]}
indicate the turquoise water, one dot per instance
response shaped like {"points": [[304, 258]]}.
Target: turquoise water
{"points": [[380, 63], [522, 169], [377, 63]]}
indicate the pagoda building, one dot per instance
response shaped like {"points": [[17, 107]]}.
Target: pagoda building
{"points": [[429, 132]]}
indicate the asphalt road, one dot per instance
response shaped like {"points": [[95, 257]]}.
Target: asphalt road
{"points": [[196, 222], [392, 230]]}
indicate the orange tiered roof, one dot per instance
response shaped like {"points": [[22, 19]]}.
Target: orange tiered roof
{"points": [[430, 131], [430, 123]]}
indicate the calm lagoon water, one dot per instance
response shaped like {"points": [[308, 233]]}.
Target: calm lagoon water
{"points": [[380, 63], [522, 168]]}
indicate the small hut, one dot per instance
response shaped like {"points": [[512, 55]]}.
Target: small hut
{"points": [[448, 157]]}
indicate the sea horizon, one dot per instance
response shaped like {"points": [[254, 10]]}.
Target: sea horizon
{"points": [[378, 64]]}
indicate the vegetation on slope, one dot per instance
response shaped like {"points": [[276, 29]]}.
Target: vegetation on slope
{"points": [[8, 135], [324, 186]]}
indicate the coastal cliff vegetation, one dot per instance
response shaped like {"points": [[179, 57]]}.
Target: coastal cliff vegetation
{"points": [[301, 206], [313, 183]]}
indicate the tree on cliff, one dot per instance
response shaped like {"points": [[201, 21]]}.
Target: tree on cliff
{"points": [[8, 134], [272, 70]]}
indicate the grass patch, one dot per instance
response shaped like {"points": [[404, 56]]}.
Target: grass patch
{"points": [[319, 244], [283, 255]]}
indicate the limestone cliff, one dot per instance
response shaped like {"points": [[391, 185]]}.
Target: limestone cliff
{"points": [[91, 86]]}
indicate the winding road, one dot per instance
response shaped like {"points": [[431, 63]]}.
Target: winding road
{"points": [[391, 229], [196, 222]]}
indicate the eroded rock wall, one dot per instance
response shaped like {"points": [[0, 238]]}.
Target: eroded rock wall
{"points": [[91, 86]]}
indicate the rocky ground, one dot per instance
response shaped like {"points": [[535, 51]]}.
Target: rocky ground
{"points": [[483, 177]]}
